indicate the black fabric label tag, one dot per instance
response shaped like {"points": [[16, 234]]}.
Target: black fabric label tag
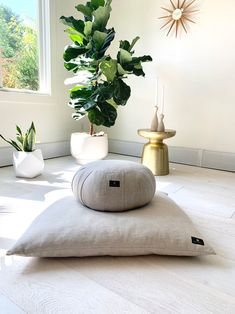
{"points": [[114, 184], [197, 241]]}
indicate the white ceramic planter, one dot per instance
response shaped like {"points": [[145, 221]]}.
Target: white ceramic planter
{"points": [[28, 164], [86, 148]]}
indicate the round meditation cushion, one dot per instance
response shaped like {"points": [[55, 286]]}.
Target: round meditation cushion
{"points": [[113, 185]]}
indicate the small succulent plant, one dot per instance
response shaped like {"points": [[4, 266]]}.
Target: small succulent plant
{"points": [[24, 141]]}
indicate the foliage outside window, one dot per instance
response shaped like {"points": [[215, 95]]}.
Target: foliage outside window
{"points": [[19, 49]]}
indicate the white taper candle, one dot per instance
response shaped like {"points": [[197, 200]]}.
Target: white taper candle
{"points": [[157, 96], [163, 98]]}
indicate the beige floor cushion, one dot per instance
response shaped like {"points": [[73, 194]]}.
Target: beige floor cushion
{"points": [[113, 185], [67, 228]]}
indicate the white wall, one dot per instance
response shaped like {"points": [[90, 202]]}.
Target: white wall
{"points": [[197, 69], [51, 114]]}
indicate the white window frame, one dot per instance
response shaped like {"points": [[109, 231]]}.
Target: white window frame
{"points": [[44, 43]]}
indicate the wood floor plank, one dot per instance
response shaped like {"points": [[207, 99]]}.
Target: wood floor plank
{"points": [[8, 307], [152, 287], [213, 272], [223, 244], [205, 200], [46, 286], [222, 226]]}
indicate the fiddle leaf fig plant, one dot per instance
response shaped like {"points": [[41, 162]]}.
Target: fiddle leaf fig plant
{"points": [[24, 142], [98, 79]]}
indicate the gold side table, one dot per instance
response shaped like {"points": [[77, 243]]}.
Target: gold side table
{"points": [[155, 152]]}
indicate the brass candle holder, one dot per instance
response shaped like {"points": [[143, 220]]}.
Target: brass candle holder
{"points": [[155, 152]]}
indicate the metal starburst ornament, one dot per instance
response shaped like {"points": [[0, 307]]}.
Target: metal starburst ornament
{"points": [[179, 15]]}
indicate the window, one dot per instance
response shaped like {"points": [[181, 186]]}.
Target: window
{"points": [[24, 45]]}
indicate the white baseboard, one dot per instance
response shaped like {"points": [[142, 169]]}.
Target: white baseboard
{"points": [[182, 155], [49, 150]]}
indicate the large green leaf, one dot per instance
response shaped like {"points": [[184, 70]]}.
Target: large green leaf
{"points": [[109, 113], [122, 92], [81, 65], [125, 56], [108, 2], [104, 92], [18, 129], [76, 38], [83, 98], [88, 28], [32, 127], [134, 41], [135, 65], [89, 104], [138, 70], [109, 69], [31, 139], [12, 143], [85, 10], [78, 115], [95, 116], [73, 52], [26, 144], [107, 42], [121, 71], [99, 39], [97, 3], [99, 52], [76, 105], [142, 59], [20, 139], [124, 44], [70, 21], [101, 17], [70, 66], [16, 145], [103, 114], [81, 93], [112, 102]]}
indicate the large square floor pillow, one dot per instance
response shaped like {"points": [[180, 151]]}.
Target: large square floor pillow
{"points": [[113, 185], [67, 228]]}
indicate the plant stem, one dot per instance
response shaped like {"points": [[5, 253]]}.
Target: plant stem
{"points": [[91, 131]]}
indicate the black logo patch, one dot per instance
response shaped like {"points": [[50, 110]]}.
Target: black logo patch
{"points": [[197, 241], [114, 184]]}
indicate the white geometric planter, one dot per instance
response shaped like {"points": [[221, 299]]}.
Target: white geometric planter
{"points": [[86, 148], [28, 164]]}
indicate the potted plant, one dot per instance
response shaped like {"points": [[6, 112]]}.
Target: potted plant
{"points": [[27, 161], [98, 81]]}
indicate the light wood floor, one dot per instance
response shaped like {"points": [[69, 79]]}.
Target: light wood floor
{"points": [[151, 284]]}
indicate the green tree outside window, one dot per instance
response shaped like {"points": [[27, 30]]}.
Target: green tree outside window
{"points": [[18, 52]]}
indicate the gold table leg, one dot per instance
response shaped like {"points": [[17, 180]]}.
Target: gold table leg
{"points": [[155, 157], [155, 152]]}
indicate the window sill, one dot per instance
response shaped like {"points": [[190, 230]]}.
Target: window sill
{"points": [[10, 97], [24, 91]]}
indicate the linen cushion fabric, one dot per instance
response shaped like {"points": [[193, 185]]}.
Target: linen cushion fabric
{"points": [[67, 228], [113, 185]]}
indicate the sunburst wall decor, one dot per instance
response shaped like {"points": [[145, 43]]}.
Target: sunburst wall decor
{"points": [[179, 15]]}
